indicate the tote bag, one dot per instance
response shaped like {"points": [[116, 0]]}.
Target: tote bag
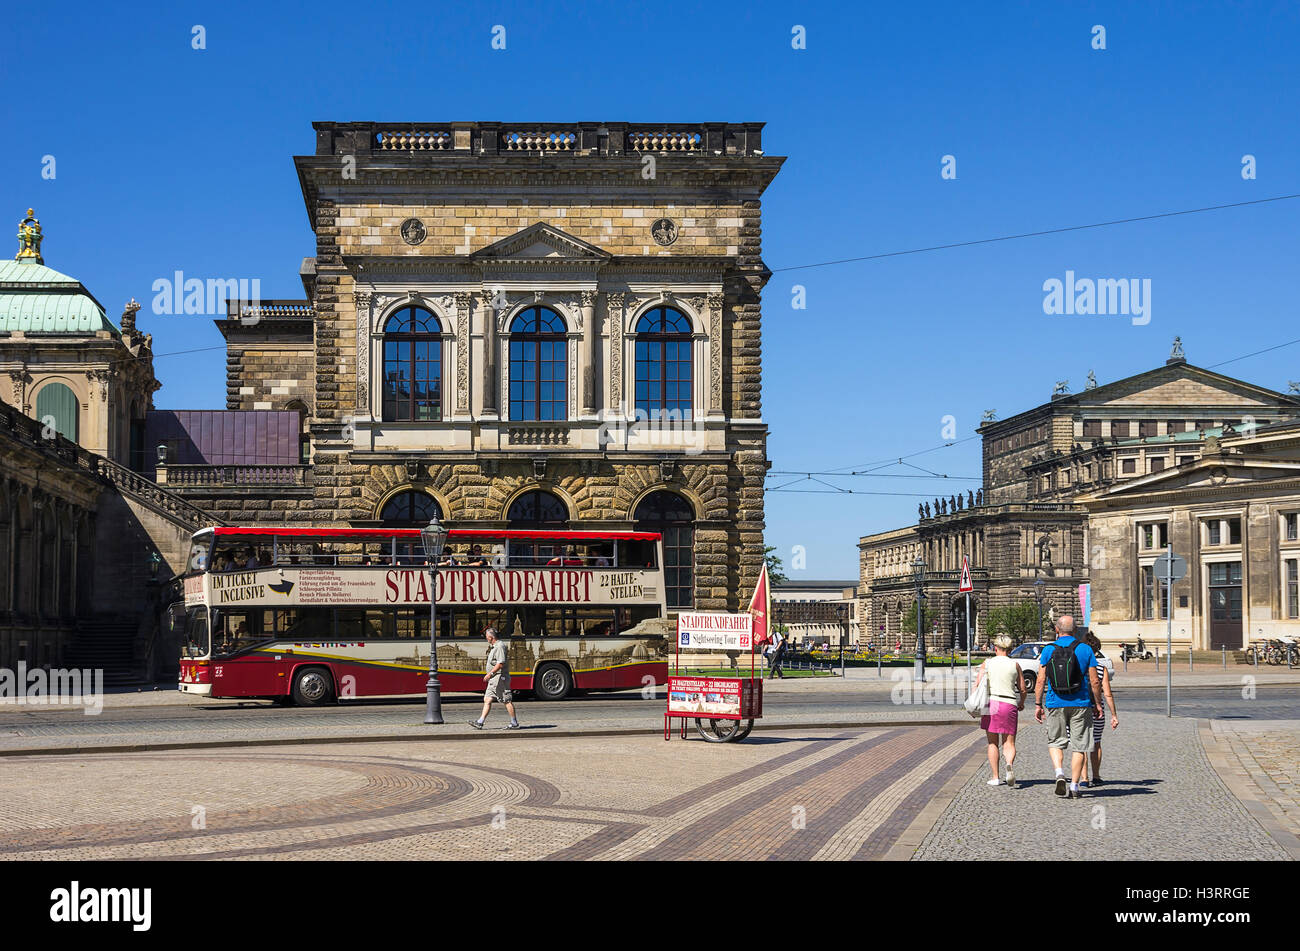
{"points": [[978, 701]]}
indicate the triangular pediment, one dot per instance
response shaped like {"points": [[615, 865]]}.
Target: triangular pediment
{"points": [[1213, 472], [1180, 384], [540, 242]]}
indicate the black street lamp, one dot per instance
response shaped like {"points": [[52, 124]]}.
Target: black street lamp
{"points": [[1039, 585], [433, 537], [919, 565]]}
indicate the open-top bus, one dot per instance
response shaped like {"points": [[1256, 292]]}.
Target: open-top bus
{"points": [[313, 615]]}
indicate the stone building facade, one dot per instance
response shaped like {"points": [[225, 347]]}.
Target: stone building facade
{"points": [[523, 324], [1054, 504]]}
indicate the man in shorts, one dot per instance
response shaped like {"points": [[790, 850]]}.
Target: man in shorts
{"points": [[1068, 715], [497, 679]]}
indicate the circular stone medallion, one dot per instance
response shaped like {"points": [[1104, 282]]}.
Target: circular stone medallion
{"points": [[664, 231], [413, 231]]}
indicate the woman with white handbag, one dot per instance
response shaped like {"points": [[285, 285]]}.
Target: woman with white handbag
{"points": [[1001, 682]]}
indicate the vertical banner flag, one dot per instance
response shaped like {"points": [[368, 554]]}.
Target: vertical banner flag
{"points": [[1085, 604], [760, 609]]}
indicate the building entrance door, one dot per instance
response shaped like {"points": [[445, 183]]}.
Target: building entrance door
{"points": [[1225, 605]]}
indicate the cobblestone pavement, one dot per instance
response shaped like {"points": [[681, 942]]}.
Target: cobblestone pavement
{"points": [[798, 794], [1161, 800], [1260, 762]]}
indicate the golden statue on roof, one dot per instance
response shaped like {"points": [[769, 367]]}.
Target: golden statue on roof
{"points": [[29, 239]]}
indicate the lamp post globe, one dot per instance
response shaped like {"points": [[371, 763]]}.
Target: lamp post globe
{"points": [[433, 537]]}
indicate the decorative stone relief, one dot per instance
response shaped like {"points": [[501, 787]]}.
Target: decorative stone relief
{"points": [[363, 303], [715, 346], [614, 306], [463, 303]]}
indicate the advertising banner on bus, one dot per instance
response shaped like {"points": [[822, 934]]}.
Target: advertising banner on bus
{"points": [[276, 587], [719, 632]]}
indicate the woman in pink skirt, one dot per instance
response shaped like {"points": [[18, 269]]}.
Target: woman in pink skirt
{"points": [[1006, 699]]}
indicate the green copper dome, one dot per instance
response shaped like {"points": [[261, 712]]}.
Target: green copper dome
{"points": [[38, 299]]}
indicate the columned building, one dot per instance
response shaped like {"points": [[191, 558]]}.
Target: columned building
{"points": [[515, 324], [1089, 488]]}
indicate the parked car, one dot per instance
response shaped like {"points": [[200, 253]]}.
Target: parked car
{"points": [[1026, 655]]}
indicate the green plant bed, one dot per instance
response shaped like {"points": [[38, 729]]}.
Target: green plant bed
{"points": [[744, 672]]}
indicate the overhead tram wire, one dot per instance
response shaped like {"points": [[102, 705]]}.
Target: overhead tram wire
{"points": [[1035, 234]]}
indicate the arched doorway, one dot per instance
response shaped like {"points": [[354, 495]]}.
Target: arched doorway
{"points": [[672, 517]]}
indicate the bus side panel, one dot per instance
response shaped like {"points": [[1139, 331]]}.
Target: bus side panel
{"points": [[633, 675], [357, 679], [253, 675]]}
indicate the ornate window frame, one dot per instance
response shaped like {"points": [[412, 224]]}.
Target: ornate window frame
{"points": [[381, 309], [705, 339], [572, 341]]}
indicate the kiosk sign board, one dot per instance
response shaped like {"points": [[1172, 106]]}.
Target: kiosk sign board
{"points": [[714, 697], [718, 632]]}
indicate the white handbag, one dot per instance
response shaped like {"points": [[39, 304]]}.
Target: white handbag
{"points": [[977, 704]]}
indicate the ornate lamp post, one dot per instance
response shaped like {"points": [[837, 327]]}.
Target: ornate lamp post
{"points": [[919, 565], [1039, 585], [433, 537]]}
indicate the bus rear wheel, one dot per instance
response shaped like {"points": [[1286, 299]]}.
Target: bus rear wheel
{"points": [[552, 682], [312, 687]]}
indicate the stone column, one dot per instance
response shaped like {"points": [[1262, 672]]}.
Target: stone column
{"points": [[589, 395], [489, 355]]}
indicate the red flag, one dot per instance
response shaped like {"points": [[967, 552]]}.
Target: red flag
{"points": [[760, 609]]}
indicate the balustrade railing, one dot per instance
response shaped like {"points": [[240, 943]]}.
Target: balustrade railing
{"points": [[232, 476]]}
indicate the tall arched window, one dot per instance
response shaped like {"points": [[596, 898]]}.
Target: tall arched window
{"points": [[412, 366], [536, 510], [663, 364], [672, 517], [538, 366], [58, 402]]}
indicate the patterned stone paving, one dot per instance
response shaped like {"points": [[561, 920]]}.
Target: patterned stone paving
{"points": [[801, 794]]}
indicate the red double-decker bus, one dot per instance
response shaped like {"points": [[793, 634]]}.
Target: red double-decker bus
{"points": [[316, 615]]}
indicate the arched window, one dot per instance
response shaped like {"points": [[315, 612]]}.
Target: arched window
{"points": [[672, 517], [412, 366], [536, 510], [58, 402], [410, 509], [663, 364], [538, 366]]}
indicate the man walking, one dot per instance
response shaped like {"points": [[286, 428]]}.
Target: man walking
{"points": [[774, 658], [1068, 675], [497, 679]]}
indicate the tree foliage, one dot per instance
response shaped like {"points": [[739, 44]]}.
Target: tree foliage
{"points": [[1020, 620]]}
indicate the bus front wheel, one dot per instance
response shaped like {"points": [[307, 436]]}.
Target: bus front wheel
{"points": [[552, 682], [312, 687]]}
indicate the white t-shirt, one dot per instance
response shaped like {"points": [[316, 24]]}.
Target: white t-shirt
{"points": [[1001, 672]]}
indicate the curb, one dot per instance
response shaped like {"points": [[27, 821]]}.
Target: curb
{"points": [[441, 737]]}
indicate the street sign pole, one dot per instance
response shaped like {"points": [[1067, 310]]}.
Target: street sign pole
{"points": [[967, 586]]}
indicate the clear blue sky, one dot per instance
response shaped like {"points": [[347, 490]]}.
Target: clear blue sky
{"points": [[170, 158]]}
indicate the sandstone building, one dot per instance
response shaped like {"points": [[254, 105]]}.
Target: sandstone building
{"points": [[528, 325], [1088, 488]]}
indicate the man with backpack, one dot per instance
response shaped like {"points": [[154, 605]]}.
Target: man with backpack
{"points": [[1068, 676]]}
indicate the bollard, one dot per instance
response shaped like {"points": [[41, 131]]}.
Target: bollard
{"points": [[1157, 660], [1189, 656], [1225, 656], [1255, 654], [1125, 653], [879, 669]]}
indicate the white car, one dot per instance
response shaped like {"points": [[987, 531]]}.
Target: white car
{"points": [[1026, 655]]}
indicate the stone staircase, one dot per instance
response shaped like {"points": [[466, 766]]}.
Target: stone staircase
{"points": [[107, 643]]}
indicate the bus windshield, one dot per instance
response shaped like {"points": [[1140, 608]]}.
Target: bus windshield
{"points": [[192, 628]]}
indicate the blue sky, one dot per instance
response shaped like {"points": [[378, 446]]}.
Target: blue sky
{"points": [[171, 158]]}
